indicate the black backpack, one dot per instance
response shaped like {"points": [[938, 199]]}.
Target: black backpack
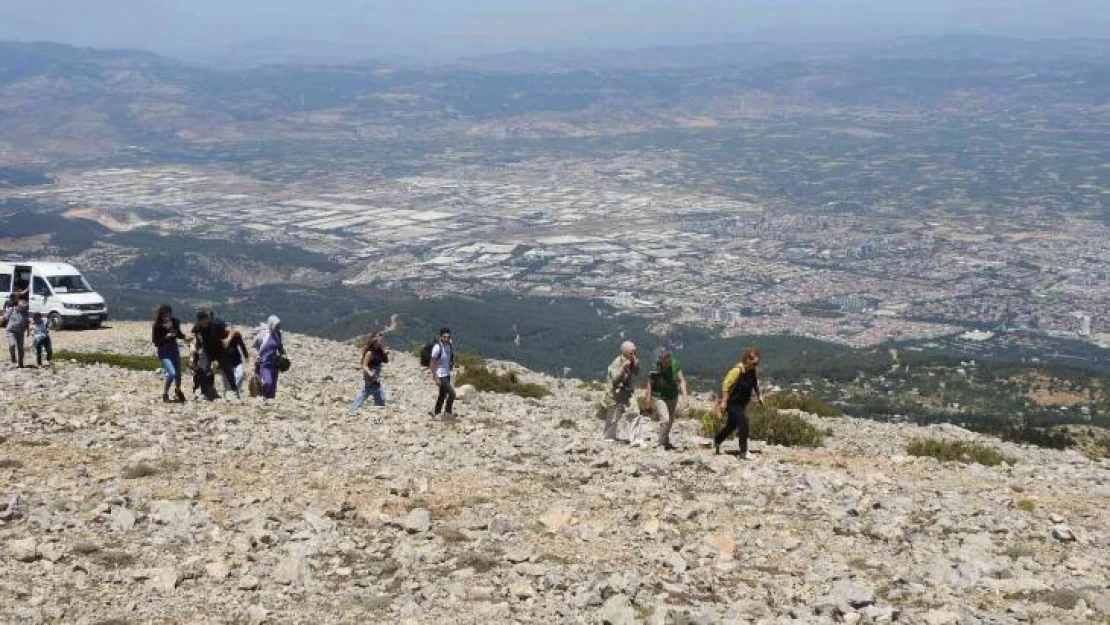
{"points": [[426, 354]]}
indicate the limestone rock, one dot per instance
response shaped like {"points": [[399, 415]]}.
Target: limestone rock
{"points": [[23, 550], [617, 610], [290, 510], [1062, 533], [417, 521]]}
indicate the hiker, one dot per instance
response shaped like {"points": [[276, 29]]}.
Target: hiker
{"points": [[271, 356], [441, 364], [235, 371], [16, 322], [200, 368], [622, 373], [374, 355], [665, 386], [216, 338], [40, 336], [736, 391], [165, 333]]}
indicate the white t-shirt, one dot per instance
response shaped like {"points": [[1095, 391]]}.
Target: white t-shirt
{"points": [[441, 355]]}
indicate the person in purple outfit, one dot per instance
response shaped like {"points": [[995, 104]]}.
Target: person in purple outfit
{"points": [[271, 355]]}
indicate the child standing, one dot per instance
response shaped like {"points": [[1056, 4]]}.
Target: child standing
{"points": [[40, 336]]}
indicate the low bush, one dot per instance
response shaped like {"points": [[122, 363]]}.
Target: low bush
{"points": [[805, 403], [478, 374], [121, 361], [710, 421], [780, 428], [765, 423], [957, 451]]}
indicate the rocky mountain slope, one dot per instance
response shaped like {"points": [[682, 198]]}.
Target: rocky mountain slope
{"points": [[119, 509]]}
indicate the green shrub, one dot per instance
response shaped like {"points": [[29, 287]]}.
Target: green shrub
{"points": [[957, 451], [764, 423], [779, 428], [805, 403], [709, 420], [121, 361], [477, 374]]}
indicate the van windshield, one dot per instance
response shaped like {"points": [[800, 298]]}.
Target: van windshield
{"points": [[69, 284]]}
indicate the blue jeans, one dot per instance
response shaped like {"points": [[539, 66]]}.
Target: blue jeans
{"points": [[371, 389], [43, 344], [172, 369]]}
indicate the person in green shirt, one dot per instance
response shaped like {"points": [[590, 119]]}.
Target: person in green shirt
{"points": [[665, 386]]}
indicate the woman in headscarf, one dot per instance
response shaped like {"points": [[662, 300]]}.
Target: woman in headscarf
{"points": [[270, 351]]}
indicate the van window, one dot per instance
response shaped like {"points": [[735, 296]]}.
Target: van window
{"points": [[69, 284], [22, 277], [5, 283], [41, 288]]}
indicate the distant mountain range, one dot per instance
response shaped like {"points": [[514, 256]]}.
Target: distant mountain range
{"points": [[61, 101]]}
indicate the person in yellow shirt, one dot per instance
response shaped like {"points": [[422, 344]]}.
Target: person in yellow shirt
{"points": [[738, 388]]}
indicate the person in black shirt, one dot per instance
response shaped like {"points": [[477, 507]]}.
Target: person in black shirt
{"points": [[740, 385], [165, 333], [237, 357], [217, 340]]}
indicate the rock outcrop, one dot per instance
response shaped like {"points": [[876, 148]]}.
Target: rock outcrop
{"points": [[119, 508]]}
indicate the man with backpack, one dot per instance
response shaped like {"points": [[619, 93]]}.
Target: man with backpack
{"points": [[439, 358], [664, 385]]}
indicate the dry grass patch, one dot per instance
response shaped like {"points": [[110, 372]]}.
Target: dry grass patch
{"points": [[958, 451]]}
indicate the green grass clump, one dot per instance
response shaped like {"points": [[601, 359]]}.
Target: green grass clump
{"points": [[805, 403], [709, 421], [121, 361], [957, 451], [1026, 505], [475, 372], [765, 423]]}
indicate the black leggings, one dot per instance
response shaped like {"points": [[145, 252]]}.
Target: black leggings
{"points": [[738, 422]]}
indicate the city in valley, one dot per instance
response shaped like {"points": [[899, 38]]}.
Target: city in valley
{"points": [[861, 194], [603, 231]]}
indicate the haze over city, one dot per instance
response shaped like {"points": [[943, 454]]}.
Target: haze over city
{"points": [[455, 27]]}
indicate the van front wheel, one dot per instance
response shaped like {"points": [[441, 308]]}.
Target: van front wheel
{"points": [[55, 321]]}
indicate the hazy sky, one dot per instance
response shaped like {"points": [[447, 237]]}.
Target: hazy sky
{"points": [[461, 26]]}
